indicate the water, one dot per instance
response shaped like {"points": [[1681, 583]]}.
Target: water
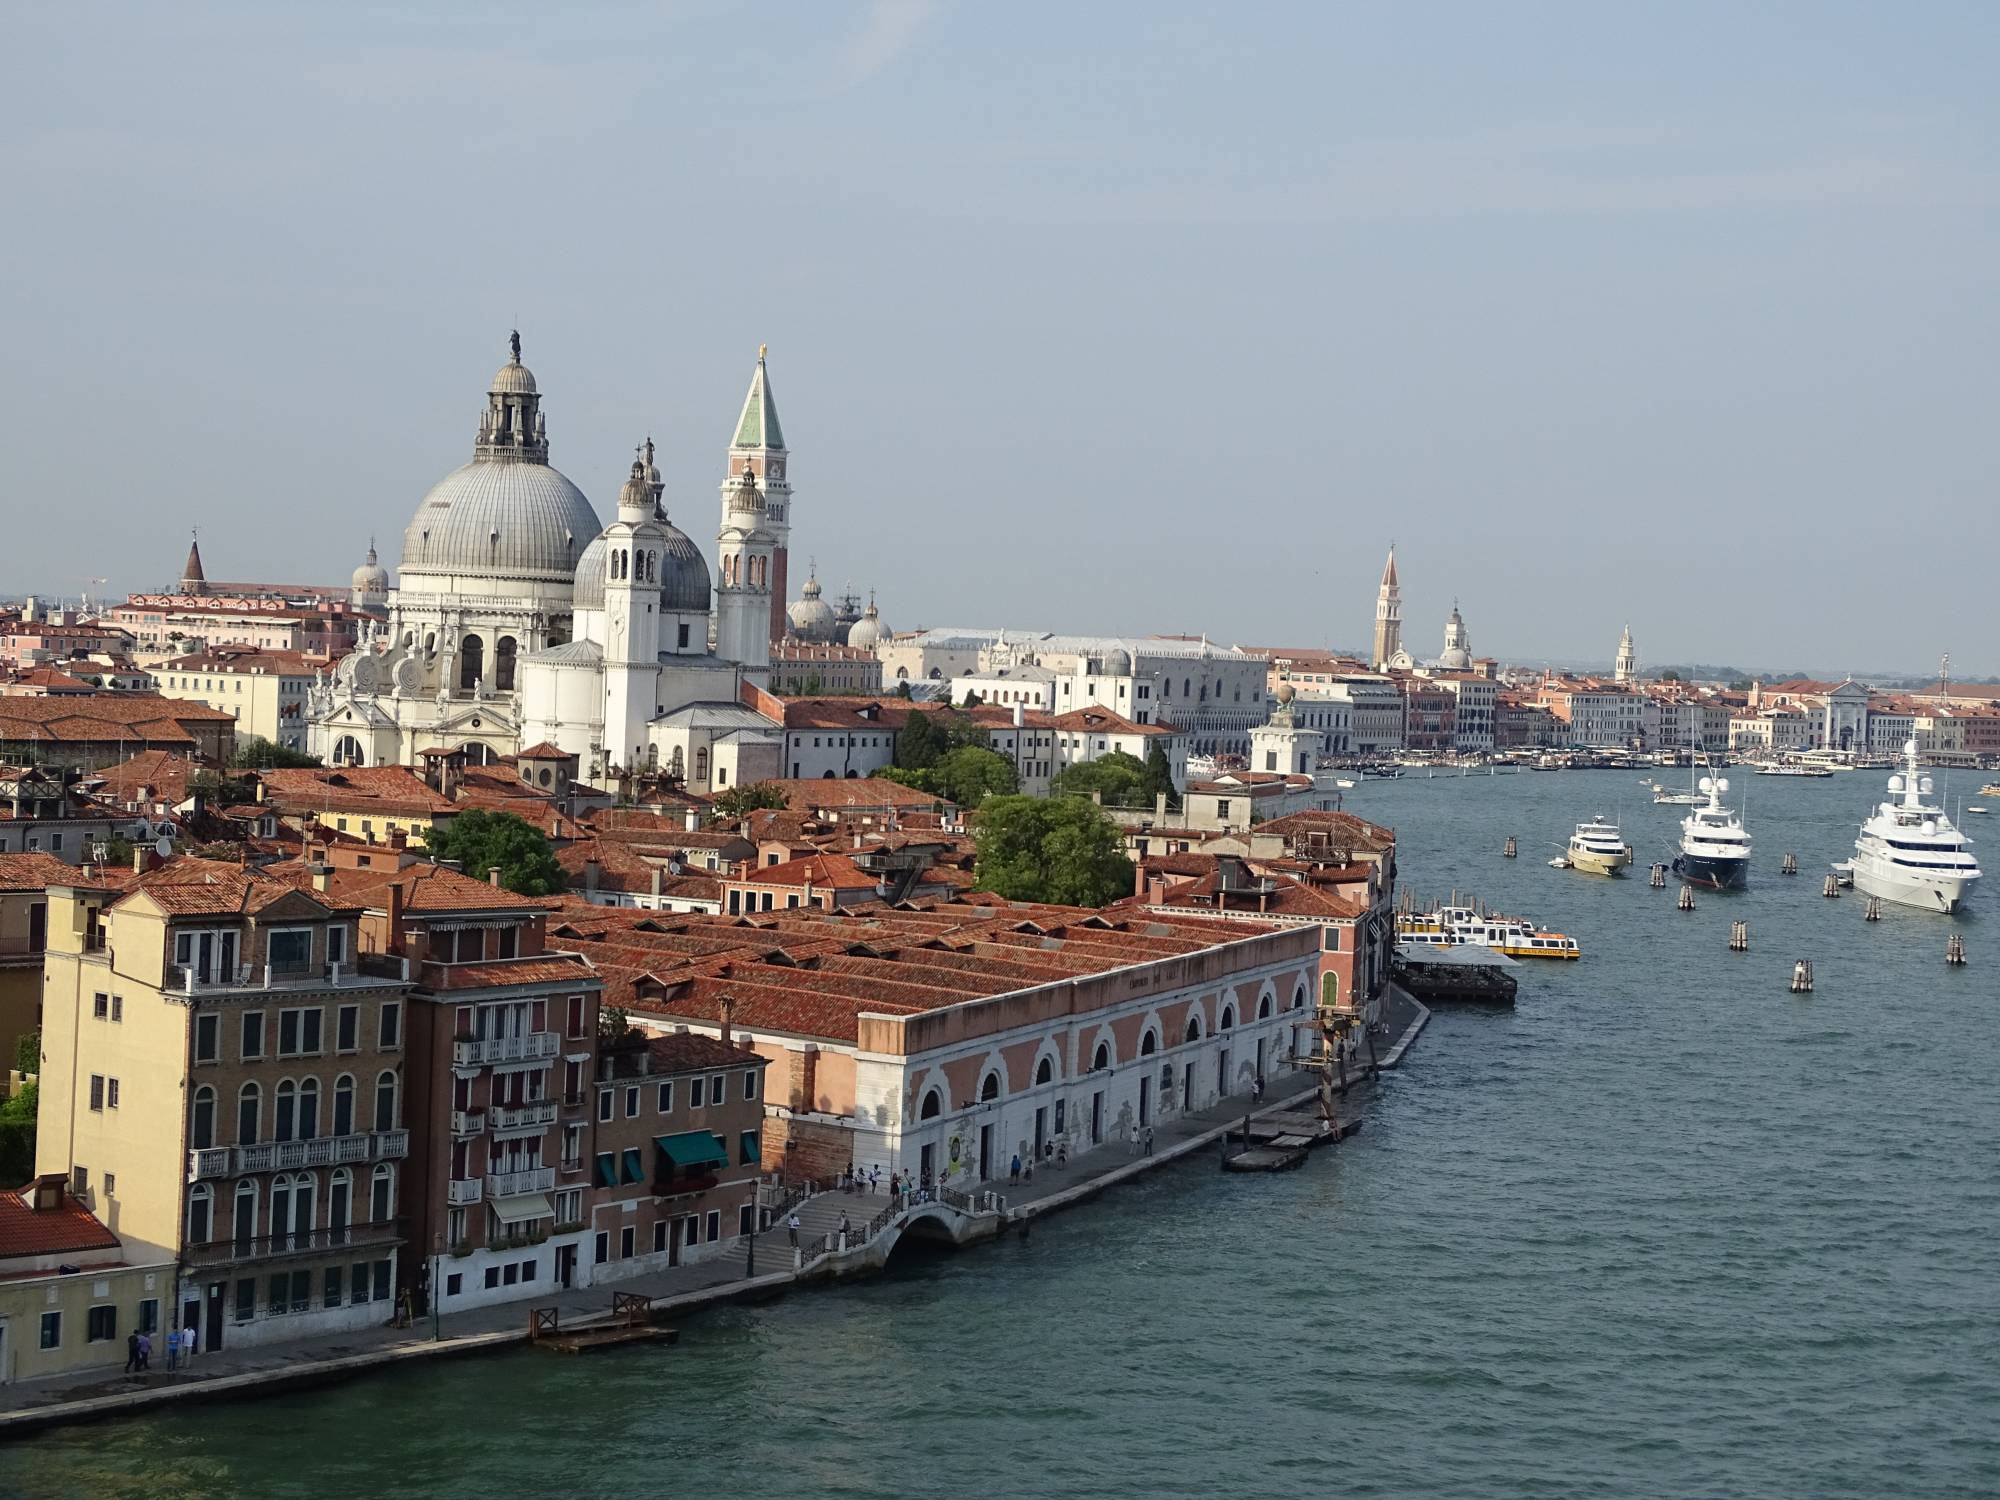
{"points": [[1665, 1229]]}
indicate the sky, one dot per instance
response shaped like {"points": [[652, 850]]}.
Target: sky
{"points": [[1081, 317]]}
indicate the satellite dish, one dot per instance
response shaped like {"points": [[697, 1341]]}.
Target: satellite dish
{"points": [[164, 847], [1722, 783], [1895, 783], [1708, 783], [1930, 825], [1924, 786]]}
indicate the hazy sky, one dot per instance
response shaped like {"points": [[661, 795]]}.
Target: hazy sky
{"points": [[1139, 317]]}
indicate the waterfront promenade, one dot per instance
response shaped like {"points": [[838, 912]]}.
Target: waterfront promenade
{"points": [[996, 1208]]}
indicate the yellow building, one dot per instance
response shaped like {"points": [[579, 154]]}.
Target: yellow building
{"points": [[223, 1088], [69, 1297], [265, 690], [370, 802]]}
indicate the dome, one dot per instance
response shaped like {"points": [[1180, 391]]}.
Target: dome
{"points": [[1119, 662], [868, 632], [514, 379], [371, 577], [1455, 659], [684, 582], [500, 517], [811, 618]]}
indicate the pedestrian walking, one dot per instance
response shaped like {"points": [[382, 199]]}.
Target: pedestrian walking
{"points": [[845, 1230], [1257, 1089], [1149, 1140], [145, 1353], [875, 1178], [1028, 1172], [792, 1228], [131, 1352], [850, 1177], [1014, 1172]]}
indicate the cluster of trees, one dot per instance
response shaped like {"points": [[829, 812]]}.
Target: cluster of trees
{"points": [[1121, 780], [479, 840], [735, 801], [17, 1114], [255, 751], [1061, 850], [967, 775]]}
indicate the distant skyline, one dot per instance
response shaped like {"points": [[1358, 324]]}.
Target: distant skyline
{"points": [[1081, 318]]}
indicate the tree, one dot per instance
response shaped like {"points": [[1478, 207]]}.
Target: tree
{"points": [[1119, 778], [17, 1133], [903, 688], [917, 748], [1066, 852], [973, 700], [969, 775], [738, 801], [255, 750], [1670, 675], [478, 840], [923, 781], [1159, 774]]}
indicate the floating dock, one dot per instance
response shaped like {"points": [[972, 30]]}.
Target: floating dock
{"points": [[1456, 976]]}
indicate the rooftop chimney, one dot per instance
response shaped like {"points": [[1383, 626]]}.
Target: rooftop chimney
{"points": [[592, 866], [693, 817], [728, 1015], [493, 875]]}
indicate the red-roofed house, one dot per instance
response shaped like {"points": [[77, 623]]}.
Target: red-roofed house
{"points": [[69, 1294]]}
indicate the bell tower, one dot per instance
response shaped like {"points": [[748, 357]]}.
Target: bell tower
{"points": [[1626, 668], [759, 445], [635, 545], [743, 588], [1388, 615]]}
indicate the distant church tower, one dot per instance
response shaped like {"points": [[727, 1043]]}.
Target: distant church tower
{"points": [[193, 580], [635, 545], [1388, 615], [744, 597], [1626, 669], [760, 443]]}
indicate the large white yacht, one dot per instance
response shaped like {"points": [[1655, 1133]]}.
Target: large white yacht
{"points": [[1908, 851], [1715, 846], [1598, 848]]}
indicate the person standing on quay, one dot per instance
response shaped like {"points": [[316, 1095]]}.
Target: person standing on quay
{"points": [[792, 1228], [131, 1352], [1014, 1171]]}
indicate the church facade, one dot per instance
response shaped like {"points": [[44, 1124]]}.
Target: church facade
{"points": [[517, 618]]}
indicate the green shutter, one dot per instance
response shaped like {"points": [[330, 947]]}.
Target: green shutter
{"points": [[635, 1166], [607, 1169], [752, 1149]]}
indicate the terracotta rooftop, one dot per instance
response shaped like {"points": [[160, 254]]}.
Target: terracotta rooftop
{"points": [[35, 872], [163, 771], [387, 790], [52, 1231], [825, 871], [681, 1052]]}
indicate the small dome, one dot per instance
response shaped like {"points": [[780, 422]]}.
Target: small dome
{"points": [[514, 379], [868, 632], [1455, 660], [684, 581], [371, 577], [1119, 662], [635, 493]]}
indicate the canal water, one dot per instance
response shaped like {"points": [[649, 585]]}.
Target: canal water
{"points": [[1664, 1229]]}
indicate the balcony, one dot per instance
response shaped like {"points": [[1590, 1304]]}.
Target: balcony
{"points": [[197, 979], [462, 1191], [286, 1156], [468, 1121], [534, 1046], [528, 1180], [525, 1116], [303, 1242]]}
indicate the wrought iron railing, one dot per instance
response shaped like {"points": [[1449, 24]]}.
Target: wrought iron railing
{"points": [[297, 1242]]}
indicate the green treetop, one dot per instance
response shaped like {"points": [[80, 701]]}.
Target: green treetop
{"points": [[479, 840], [1065, 851]]}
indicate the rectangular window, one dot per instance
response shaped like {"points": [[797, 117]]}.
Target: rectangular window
{"points": [[289, 950], [714, 1225], [667, 1097], [575, 1016], [605, 1106], [695, 1092], [52, 1330], [336, 944], [347, 1029], [530, 1269], [253, 1034], [510, 1274], [632, 1102], [509, 939], [628, 1242], [454, 1284], [103, 1324], [691, 1230], [110, 1102], [718, 1088], [749, 1083], [207, 1038], [246, 1299], [332, 1289], [750, 1146], [97, 1091], [149, 1315], [281, 1293], [392, 1024], [492, 1277], [100, 1006], [384, 1280]]}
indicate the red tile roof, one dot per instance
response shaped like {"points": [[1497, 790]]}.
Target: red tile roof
{"points": [[35, 872], [387, 790], [52, 1231], [548, 968], [825, 871]]}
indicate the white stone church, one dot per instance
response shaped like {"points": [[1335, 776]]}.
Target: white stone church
{"points": [[519, 620]]}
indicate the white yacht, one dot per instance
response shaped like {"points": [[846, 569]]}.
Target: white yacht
{"points": [[1908, 851], [1715, 846], [1598, 848]]}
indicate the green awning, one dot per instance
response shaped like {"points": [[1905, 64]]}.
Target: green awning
{"points": [[751, 1150], [607, 1169], [693, 1148], [635, 1165], [522, 1208]]}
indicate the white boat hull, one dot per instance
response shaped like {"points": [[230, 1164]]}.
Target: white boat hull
{"points": [[1937, 893]]}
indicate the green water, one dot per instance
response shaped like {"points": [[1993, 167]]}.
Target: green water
{"points": [[1665, 1229]]}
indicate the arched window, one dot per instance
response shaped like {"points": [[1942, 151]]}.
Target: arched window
{"points": [[1149, 1043], [1193, 1029], [1228, 1018], [305, 1192], [382, 1195], [1102, 1060], [1045, 1071], [347, 751], [989, 1087], [200, 1214], [701, 763], [1187, 688], [343, 1104], [249, 1103], [340, 1203], [471, 660], [284, 1116], [1299, 998], [244, 1229], [201, 1131], [385, 1101], [308, 1108], [503, 664], [281, 1210], [932, 1107], [1329, 989], [1264, 1009]]}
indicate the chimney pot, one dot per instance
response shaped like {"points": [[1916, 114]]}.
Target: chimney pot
{"points": [[493, 875]]}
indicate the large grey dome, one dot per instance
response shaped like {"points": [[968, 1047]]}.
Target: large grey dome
{"points": [[502, 517], [684, 581]]}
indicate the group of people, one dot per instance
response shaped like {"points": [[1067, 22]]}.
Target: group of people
{"points": [[139, 1350]]}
